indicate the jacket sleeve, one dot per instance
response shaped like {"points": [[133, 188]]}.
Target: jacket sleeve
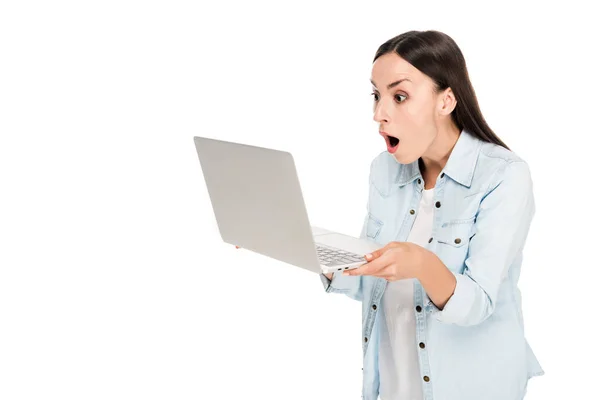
{"points": [[348, 285], [502, 224]]}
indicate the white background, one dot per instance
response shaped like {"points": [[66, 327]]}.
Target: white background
{"points": [[114, 282]]}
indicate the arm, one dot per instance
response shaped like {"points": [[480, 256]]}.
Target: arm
{"points": [[437, 280], [502, 225]]}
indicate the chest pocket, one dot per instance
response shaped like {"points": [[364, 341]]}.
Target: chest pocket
{"points": [[373, 227], [453, 243]]}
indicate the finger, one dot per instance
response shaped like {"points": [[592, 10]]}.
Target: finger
{"points": [[374, 255], [356, 271], [378, 253], [383, 273], [370, 268]]}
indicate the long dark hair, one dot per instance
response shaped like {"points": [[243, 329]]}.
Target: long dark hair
{"points": [[437, 55]]}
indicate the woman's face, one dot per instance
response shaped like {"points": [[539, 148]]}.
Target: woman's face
{"points": [[408, 111]]}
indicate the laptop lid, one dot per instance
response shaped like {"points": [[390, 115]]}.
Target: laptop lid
{"points": [[257, 200]]}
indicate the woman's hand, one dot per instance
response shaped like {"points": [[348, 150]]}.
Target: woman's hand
{"points": [[397, 260]]}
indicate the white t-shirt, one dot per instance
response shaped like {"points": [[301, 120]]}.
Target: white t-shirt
{"points": [[399, 371]]}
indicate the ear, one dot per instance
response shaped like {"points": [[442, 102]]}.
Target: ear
{"points": [[446, 102]]}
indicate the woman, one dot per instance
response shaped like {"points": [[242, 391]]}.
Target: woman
{"points": [[451, 205]]}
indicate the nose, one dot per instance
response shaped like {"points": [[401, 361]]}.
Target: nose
{"points": [[380, 114]]}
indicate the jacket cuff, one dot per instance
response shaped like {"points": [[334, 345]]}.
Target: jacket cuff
{"points": [[460, 304], [338, 283]]}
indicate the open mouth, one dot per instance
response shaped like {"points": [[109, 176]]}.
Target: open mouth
{"points": [[392, 143]]}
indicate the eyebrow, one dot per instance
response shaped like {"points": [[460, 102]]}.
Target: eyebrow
{"points": [[391, 85]]}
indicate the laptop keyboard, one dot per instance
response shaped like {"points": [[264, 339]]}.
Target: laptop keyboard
{"points": [[331, 256]]}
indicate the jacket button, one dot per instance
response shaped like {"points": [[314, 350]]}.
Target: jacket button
{"points": [[374, 306], [457, 240], [438, 204], [430, 239], [419, 308], [422, 345], [442, 175], [419, 181], [365, 340], [412, 212], [426, 378]]}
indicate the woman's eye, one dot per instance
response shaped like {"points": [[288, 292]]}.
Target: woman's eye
{"points": [[400, 98]]}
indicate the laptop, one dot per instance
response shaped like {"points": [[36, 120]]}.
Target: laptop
{"points": [[258, 205]]}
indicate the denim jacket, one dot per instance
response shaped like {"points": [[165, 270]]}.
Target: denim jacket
{"points": [[475, 347]]}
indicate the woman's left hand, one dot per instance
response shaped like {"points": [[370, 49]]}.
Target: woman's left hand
{"points": [[397, 260]]}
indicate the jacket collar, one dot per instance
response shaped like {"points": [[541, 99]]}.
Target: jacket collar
{"points": [[460, 165]]}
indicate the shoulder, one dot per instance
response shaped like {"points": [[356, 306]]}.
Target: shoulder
{"points": [[384, 169], [381, 161], [492, 152], [497, 164]]}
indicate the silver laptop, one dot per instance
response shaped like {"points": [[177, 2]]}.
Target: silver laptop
{"points": [[258, 205]]}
